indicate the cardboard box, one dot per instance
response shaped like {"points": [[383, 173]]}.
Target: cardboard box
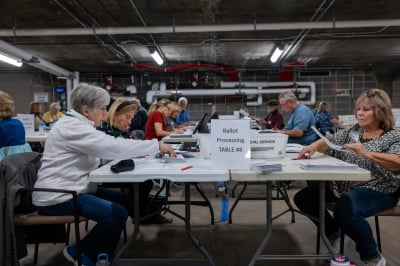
{"points": [[268, 145]]}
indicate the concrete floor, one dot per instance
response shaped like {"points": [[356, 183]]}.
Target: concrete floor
{"points": [[233, 244]]}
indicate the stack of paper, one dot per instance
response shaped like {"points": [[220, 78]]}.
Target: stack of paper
{"points": [[266, 168], [327, 166], [294, 147]]}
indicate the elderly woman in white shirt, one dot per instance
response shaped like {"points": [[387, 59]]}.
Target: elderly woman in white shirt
{"points": [[74, 148]]}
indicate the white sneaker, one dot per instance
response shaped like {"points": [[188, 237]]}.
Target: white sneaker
{"points": [[381, 262]]}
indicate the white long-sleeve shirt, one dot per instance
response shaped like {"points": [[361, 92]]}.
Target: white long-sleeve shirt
{"points": [[73, 149]]}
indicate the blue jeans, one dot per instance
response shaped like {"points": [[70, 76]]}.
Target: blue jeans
{"points": [[350, 213], [108, 208]]}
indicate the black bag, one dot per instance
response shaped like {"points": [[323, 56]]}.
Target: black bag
{"points": [[123, 166]]}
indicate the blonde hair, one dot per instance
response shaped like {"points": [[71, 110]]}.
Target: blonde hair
{"points": [[155, 106], [35, 107], [118, 107], [7, 105], [382, 105], [174, 107]]}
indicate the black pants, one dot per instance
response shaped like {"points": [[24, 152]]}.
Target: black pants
{"points": [[144, 192]]}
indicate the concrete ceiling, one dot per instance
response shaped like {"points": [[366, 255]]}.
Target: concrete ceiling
{"points": [[102, 34]]}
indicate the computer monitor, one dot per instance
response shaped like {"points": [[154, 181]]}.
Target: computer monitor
{"points": [[202, 126], [215, 115]]}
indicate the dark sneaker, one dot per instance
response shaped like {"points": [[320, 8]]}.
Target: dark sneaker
{"points": [[158, 219]]}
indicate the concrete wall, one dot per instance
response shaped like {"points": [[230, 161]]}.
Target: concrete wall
{"points": [[22, 86], [341, 88]]}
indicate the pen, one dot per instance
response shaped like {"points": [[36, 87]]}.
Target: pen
{"points": [[185, 168]]}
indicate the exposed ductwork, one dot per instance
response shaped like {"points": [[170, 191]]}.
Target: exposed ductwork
{"points": [[201, 28], [306, 88], [36, 62]]}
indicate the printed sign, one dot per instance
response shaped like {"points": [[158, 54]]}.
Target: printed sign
{"points": [[396, 114], [28, 121], [230, 144], [41, 97]]}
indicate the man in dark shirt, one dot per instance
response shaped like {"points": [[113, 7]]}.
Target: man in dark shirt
{"points": [[274, 119]]}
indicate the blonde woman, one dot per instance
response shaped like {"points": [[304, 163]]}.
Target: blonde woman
{"points": [[156, 128], [116, 124]]}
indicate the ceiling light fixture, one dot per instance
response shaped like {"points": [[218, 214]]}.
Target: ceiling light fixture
{"points": [[157, 57], [276, 54], [10, 60]]}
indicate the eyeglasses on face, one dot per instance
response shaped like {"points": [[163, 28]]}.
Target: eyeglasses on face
{"points": [[286, 102]]}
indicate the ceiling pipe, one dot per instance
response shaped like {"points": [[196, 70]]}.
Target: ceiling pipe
{"points": [[201, 28], [36, 62], [246, 88]]}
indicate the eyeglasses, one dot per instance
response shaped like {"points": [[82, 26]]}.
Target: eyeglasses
{"points": [[286, 102], [372, 92]]}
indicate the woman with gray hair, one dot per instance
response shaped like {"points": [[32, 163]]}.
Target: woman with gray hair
{"points": [[53, 114], [73, 149]]}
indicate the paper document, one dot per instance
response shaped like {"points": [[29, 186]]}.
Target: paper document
{"points": [[327, 141], [327, 166], [294, 147], [263, 167], [178, 159]]}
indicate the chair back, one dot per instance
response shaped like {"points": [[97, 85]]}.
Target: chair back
{"points": [[16, 171]]}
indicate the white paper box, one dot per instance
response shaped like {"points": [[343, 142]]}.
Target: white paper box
{"points": [[268, 145]]}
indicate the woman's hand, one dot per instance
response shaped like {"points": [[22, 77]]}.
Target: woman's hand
{"points": [[307, 152], [178, 131], [358, 149], [166, 148]]}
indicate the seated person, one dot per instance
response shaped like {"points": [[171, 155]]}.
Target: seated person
{"points": [[140, 119], [183, 119], [298, 127], [324, 120], [170, 119], [53, 114], [274, 119], [156, 128], [375, 146], [36, 109], [73, 149], [117, 124], [12, 131]]}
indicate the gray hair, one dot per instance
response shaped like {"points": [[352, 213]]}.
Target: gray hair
{"points": [[323, 107], [55, 105], [183, 99], [137, 101], [288, 95], [90, 96]]}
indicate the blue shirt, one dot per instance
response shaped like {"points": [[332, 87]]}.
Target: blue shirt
{"points": [[302, 118], [12, 132], [183, 117], [323, 121]]}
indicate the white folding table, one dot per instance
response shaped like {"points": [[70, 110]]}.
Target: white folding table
{"points": [[291, 171], [148, 168]]}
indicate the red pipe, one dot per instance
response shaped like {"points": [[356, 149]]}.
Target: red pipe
{"points": [[230, 72]]}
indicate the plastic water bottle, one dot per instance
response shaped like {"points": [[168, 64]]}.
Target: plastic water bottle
{"points": [[102, 260], [42, 127], [224, 209]]}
